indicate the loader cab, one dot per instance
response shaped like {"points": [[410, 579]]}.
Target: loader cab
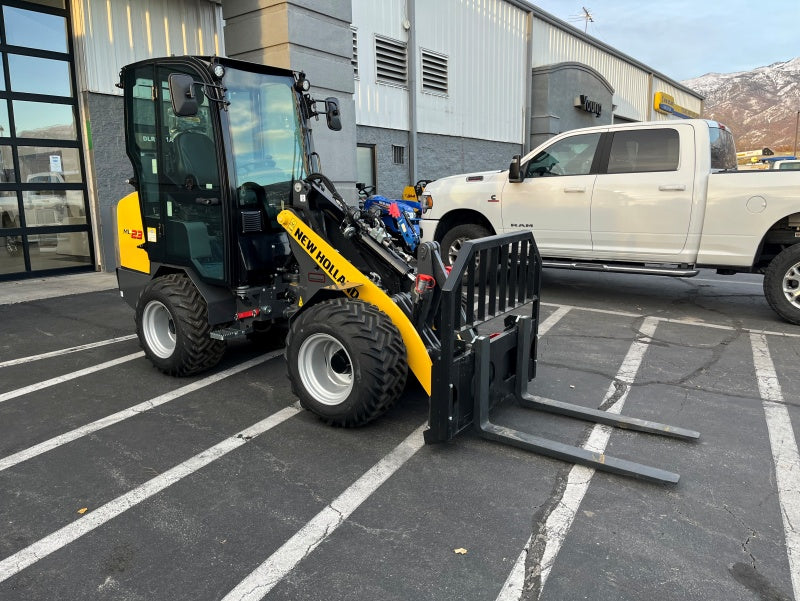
{"points": [[215, 145]]}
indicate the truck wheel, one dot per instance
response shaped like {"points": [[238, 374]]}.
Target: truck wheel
{"points": [[782, 284], [346, 361], [172, 325], [455, 238]]}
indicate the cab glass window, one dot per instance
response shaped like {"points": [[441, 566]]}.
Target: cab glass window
{"points": [[35, 30], [723, 149], [570, 156], [644, 150]]}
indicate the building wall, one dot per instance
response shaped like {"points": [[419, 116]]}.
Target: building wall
{"points": [[113, 33], [555, 90], [438, 156], [111, 168], [484, 44], [633, 82]]}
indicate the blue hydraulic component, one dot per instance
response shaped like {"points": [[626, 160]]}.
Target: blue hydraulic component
{"points": [[401, 218]]}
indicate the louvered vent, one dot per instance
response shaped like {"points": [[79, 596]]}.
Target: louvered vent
{"points": [[434, 72], [252, 222], [391, 60], [354, 60]]}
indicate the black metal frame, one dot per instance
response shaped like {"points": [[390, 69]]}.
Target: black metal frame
{"points": [[6, 95], [492, 278]]}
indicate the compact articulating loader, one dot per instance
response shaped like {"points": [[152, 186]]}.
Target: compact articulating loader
{"points": [[233, 229]]}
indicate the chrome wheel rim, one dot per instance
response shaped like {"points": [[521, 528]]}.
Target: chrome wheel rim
{"points": [[158, 328], [791, 285], [325, 369]]}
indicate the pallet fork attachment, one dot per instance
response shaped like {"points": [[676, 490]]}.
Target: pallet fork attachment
{"points": [[496, 277]]}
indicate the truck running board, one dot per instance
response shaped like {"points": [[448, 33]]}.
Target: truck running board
{"points": [[676, 272], [494, 278]]}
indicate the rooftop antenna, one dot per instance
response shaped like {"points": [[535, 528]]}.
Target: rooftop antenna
{"points": [[587, 17]]}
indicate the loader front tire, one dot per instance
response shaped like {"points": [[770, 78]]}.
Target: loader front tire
{"points": [[172, 325], [346, 361]]}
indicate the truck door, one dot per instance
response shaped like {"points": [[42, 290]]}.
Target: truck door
{"points": [[642, 201], [176, 164], [554, 199]]}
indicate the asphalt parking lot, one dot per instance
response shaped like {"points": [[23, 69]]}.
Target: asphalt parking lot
{"points": [[117, 482]]}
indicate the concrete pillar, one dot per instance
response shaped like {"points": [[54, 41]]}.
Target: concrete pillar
{"points": [[313, 36]]}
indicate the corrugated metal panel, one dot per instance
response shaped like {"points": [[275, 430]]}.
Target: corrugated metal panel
{"points": [[379, 105], [113, 33], [484, 43], [552, 45]]}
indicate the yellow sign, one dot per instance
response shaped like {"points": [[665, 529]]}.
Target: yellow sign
{"points": [[665, 103]]}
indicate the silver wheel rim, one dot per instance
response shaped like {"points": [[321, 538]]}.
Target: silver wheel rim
{"points": [[158, 328], [455, 248], [325, 369], [791, 285]]}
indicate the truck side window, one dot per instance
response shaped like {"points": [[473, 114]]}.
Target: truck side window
{"points": [[643, 150], [570, 156]]}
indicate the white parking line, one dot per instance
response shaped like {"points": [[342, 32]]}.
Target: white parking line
{"points": [[58, 353], [759, 284], [784, 452], [261, 580], [560, 519], [683, 321], [62, 439], [552, 320], [61, 538], [12, 394]]}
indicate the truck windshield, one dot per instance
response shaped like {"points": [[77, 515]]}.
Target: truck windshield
{"points": [[265, 130], [723, 150]]}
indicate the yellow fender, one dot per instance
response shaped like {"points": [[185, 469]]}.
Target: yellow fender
{"points": [[344, 274], [131, 234]]}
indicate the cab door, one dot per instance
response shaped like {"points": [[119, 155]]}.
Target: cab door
{"points": [[178, 169], [642, 204], [555, 197]]}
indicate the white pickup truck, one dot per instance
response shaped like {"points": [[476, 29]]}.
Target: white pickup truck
{"points": [[661, 198]]}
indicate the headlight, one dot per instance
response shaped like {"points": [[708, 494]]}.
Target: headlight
{"points": [[427, 202]]}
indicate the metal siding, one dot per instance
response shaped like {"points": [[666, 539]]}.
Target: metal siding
{"points": [[552, 45], [113, 33], [378, 105], [485, 45]]}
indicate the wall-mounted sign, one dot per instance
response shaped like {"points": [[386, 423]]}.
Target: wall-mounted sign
{"points": [[585, 104], [665, 103]]}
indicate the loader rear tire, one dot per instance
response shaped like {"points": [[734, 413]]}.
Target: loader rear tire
{"points": [[172, 325], [346, 361]]}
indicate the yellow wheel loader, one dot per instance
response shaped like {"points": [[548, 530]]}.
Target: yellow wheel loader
{"points": [[232, 230]]}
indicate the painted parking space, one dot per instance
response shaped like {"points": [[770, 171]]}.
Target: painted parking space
{"points": [[189, 493]]}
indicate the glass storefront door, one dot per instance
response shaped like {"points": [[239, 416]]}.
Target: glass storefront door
{"points": [[44, 211]]}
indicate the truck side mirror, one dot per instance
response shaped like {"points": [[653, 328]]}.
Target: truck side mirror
{"points": [[332, 115], [182, 95], [514, 174]]}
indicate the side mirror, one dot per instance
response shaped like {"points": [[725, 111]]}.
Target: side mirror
{"points": [[332, 115], [182, 95], [514, 174]]}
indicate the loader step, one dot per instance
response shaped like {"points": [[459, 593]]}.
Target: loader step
{"points": [[227, 333]]}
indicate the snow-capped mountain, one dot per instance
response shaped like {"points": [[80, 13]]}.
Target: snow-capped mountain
{"points": [[760, 106]]}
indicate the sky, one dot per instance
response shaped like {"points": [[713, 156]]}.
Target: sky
{"points": [[683, 39]]}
